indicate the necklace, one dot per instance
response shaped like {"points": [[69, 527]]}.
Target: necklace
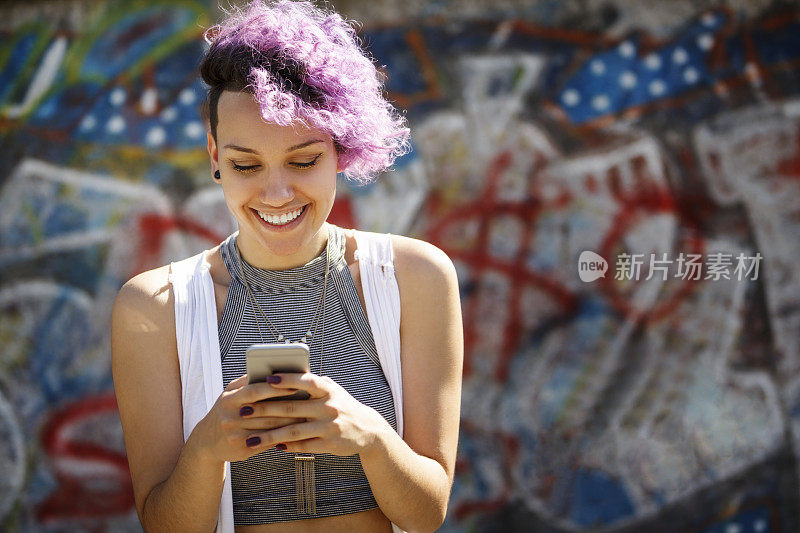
{"points": [[306, 492], [312, 328]]}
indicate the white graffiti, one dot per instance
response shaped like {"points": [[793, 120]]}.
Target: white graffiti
{"points": [[35, 191], [12, 457], [42, 80]]}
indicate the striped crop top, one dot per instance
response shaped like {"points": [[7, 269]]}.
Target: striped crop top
{"points": [[263, 486]]}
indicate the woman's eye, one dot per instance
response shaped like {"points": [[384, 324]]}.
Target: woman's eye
{"points": [[244, 168], [305, 164]]}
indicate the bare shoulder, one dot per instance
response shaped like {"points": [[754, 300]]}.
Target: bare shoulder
{"points": [[145, 293], [143, 313], [421, 266], [424, 272]]}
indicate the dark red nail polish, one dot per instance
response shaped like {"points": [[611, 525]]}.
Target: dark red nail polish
{"points": [[245, 411], [280, 446], [253, 441], [273, 379]]}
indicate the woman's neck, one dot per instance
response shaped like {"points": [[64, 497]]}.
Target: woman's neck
{"points": [[261, 255]]}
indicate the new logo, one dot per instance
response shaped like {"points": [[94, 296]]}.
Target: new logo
{"points": [[591, 266]]}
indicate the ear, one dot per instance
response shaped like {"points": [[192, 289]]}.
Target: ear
{"points": [[213, 154]]}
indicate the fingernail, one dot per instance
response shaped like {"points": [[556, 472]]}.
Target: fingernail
{"points": [[273, 379], [253, 441], [280, 446], [246, 410]]}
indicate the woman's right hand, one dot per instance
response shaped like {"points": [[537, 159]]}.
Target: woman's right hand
{"points": [[224, 431]]}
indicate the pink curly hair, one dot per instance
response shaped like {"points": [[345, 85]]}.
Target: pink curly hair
{"points": [[304, 65]]}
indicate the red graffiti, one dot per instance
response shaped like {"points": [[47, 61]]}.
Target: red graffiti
{"points": [[645, 196], [93, 479], [152, 230], [791, 165], [621, 301], [485, 209], [645, 199], [342, 213]]}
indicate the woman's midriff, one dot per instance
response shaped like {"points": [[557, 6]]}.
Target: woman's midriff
{"points": [[372, 521]]}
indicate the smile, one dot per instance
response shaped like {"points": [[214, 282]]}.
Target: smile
{"points": [[283, 219]]}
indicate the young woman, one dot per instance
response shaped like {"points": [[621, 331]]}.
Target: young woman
{"points": [[292, 101]]}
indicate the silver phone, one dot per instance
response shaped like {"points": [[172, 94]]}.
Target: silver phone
{"points": [[266, 359]]}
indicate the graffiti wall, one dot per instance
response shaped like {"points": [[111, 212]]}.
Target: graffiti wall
{"points": [[618, 183]]}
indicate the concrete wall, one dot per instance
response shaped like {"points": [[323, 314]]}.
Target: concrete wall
{"points": [[541, 130]]}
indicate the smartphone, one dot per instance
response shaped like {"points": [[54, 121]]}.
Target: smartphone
{"points": [[266, 359]]}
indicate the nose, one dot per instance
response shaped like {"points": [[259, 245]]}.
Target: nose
{"points": [[276, 189]]}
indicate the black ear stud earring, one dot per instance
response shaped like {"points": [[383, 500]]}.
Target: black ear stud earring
{"points": [[216, 175]]}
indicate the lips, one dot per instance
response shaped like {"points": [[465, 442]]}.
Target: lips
{"points": [[284, 221], [282, 218]]}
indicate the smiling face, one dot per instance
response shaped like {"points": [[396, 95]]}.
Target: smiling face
{"points": [[279, 182]]}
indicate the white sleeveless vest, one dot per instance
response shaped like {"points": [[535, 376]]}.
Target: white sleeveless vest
{"points": [[198, 341]]}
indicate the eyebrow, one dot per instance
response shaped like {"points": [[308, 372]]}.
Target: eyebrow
{"points": [[290, 149]]}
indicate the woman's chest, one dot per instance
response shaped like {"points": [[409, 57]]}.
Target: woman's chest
{"points": [[222, 287], [341, 344]]}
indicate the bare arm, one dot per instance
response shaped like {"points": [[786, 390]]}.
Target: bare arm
{"points": [[176, 486], [411, 477]]}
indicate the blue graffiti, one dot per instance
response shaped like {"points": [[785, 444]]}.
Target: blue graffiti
{"points": [[598, 499], [621, 78], [133, 38], [16, 60]]}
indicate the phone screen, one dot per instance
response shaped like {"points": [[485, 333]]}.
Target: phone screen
{"points": [[266, 359]]}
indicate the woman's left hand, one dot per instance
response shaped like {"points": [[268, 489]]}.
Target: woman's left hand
{"points": [[336, 423]]}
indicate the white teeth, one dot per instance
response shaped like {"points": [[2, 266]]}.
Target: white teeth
{"points": [[280, 220]]}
